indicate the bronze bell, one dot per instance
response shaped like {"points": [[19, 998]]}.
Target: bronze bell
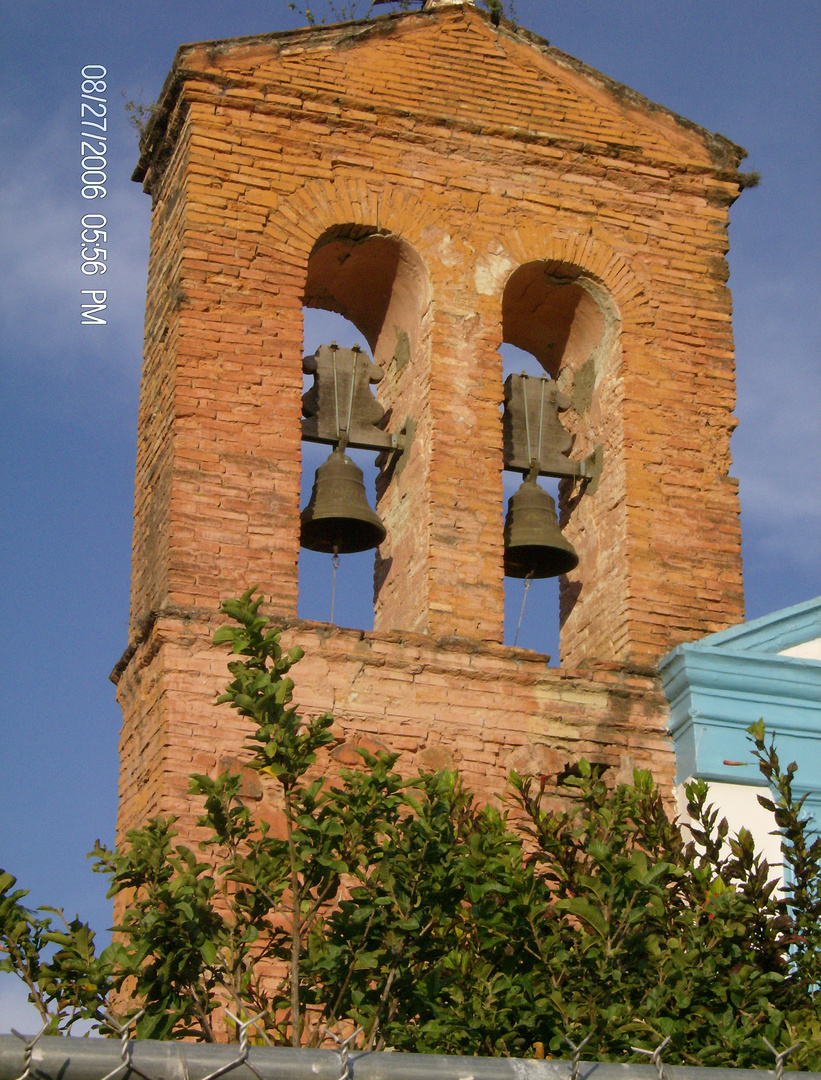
{"points": [[337, 518], [534, 545]]}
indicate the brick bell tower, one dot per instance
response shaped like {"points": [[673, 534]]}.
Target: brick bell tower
{"points": [[447, 185]]}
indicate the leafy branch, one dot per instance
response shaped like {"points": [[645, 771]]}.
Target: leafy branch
{"points": [[55, 959]]}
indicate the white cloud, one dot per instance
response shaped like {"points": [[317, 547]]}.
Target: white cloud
{"points": [[41, 208]]}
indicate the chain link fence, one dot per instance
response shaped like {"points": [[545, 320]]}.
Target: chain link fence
{"points": [[42, 1057]]}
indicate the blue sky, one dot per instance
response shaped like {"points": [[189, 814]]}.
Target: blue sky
{"points": [[747, 69]]}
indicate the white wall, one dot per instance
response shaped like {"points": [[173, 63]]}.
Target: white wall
{"points": [[739, 804], [807, 650]]}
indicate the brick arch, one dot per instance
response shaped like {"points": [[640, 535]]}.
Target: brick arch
{"points": [[377, 280], [598, 260], [301, 217], [346, 214]]}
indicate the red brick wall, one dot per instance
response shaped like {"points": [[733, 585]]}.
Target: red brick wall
{"points": [[484, 709], [474, 151]]}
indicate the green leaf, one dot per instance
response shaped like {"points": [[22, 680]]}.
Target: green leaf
{"points": [[208, 951]]}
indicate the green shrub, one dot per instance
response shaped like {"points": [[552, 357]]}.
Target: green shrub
{"points": [[438, 925]]}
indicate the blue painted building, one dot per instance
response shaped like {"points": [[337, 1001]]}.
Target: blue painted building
{"points": [[770, 669]]}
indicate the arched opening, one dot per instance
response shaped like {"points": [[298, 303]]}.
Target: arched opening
{"points": [[376, 281], [368, 288], [556, 313], [556, 321]]}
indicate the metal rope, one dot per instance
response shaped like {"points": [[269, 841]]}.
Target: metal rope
{"points": [[528, 583], [335, 564]]}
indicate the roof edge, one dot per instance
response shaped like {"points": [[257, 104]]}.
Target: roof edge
{"points": [[725, 154], [771, 633]]}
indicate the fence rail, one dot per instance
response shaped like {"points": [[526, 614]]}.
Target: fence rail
{"points": [[53, 1058]]}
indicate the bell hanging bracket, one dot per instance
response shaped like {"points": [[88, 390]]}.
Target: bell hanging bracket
{"points": [[533, 434], [340, 409]]}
